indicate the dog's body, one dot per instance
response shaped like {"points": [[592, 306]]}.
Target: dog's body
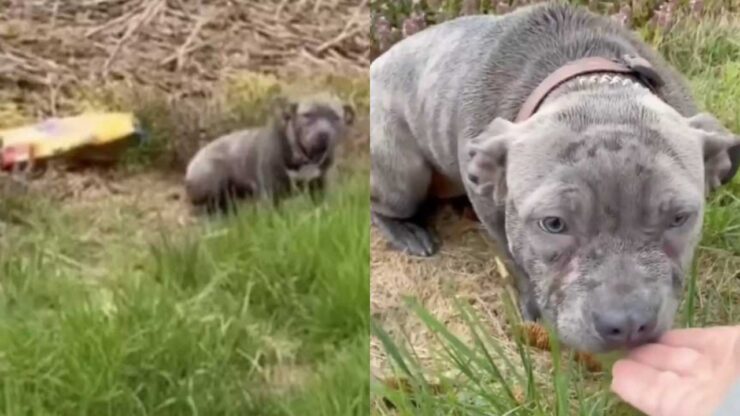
{"points": [[295, 150], [579, 196]]}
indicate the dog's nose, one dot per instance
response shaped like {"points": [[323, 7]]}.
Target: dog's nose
{"points": [[624, 327]]}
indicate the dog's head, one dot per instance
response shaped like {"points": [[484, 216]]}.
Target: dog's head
{"points": [[313, 127], [604, 199]]}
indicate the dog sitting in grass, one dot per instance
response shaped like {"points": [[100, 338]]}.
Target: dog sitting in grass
{"points": [[292, 152]]}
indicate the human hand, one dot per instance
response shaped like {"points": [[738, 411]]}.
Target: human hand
{"points": [[686, 372]]}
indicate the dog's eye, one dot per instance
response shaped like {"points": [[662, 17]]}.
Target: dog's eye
{"points": [[679, 220], [552, 225], [333, 117]]}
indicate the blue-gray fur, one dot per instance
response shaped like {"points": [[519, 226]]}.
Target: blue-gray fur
{"points": [[295, 149], [617, 162]]}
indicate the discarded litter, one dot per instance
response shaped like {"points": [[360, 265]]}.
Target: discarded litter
{"points": [[69, 136]]}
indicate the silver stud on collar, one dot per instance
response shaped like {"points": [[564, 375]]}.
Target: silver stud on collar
{"points": [[608, 79]]}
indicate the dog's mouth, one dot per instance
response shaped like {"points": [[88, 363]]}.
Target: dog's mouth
{"points": [[305, 155], [318, 158], [301, 160], [608, 346], [304, 165]]}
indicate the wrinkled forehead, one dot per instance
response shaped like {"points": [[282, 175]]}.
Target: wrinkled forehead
{"points": [[572, 140], [622, 165], [638, 180], [327, 109], [615, 126]]}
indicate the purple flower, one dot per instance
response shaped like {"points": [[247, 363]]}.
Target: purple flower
{"points": [[500, 6], [624, 16], [413, 24], [697, 7], [383, 33], [664, 16]]}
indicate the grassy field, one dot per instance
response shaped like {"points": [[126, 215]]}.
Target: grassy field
{"points": [[263, 313], [491, 375]]}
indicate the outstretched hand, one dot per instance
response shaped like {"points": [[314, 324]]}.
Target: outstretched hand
{"points": [[687, 372]]}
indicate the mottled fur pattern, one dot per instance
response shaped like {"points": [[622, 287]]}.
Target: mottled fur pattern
{"points": [[623, 169], [292, 152]]}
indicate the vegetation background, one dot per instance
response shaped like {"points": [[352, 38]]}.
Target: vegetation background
{"points": [[443, 339], [114, 300]]}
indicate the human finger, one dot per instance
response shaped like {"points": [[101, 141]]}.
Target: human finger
{"points": [[640, 385], [679, 360], [699, 339]]}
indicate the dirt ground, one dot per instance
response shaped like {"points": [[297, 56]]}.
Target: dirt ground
{"points": [[464, 268], [50, 49]]}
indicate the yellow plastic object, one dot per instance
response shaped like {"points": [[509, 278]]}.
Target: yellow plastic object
{"points": [[58, 136]]}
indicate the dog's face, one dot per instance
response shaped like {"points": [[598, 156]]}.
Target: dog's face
{"points": [[604, 199], [313, 128]]}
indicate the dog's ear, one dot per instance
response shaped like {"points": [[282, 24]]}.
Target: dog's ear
{"points": [[283, 109], [721, 150], [486, 163], [349, 114]]}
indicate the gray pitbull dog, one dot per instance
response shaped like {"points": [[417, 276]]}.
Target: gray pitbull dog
{"points": [[595, 197], [294, 151]]}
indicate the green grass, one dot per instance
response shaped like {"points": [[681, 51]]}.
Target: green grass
{"points": [[262, 313], [494, 376]]}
